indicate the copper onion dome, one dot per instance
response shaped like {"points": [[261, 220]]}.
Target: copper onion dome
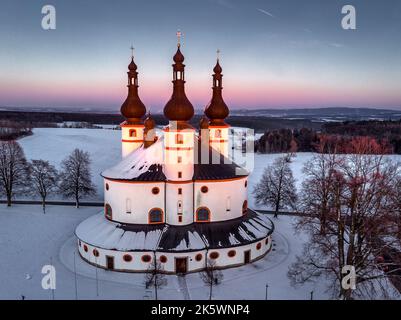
{"points": [[217, 109], [133, 108], [178, 108]]}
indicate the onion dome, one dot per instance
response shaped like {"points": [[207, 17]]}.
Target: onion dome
{"points": [[217, 68], [178, 57], [132, 66], [217, 109], [204, 123], [133, 108], [178, 108]]}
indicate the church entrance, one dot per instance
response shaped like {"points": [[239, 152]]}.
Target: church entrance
{"points": [[110, 262], [181, 265], [247, 256]]}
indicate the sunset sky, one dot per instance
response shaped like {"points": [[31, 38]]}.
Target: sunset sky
{"points": [[274, 53]]}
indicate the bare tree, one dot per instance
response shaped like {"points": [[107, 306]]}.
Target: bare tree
{"points": [[277, 187], [317, 186], [44, 178], [357, 222], [76, 177], [155, 277], [13, 169], [211, 276]]}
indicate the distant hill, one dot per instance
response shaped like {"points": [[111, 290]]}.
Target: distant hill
{"points": [[325, 114]]}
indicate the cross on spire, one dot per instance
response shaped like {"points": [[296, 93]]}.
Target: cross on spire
{"points": [[179, 35], [218, 54], [132, 51]]}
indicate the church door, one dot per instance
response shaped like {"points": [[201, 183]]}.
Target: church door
{"points": [[110, 262], [181, 265], [247, 256]]}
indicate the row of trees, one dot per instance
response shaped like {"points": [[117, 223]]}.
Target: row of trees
{"points": [[387, 133], [286, 140], [350, 207], [10, 130], [40, 178]]}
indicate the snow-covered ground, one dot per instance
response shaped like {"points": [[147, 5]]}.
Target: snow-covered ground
{"points": [[30, 239], [104, 146]]}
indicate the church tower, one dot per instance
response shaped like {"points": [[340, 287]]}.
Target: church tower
{"points": [[217, 111], [179, 143], [133, 110]]}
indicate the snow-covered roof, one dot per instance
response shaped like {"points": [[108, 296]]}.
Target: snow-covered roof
{"points": [[146, 164], [137, 163], [102, 233]]}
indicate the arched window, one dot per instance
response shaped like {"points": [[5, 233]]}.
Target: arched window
{"points": [[128, 205], [132, 133], [156, 215], [203, 214], [267, 241], [218, 133], [108, 212], [259, 246], [85, 248], [179, 138], [107, 186], [95, 253], [179, 207], [245, 207], [228, 204]]}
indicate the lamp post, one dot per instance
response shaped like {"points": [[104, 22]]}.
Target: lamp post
{"points": [[267, 290]]}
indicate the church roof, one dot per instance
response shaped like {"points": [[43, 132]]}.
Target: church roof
{"points": [[146, 164], [102, 233]]}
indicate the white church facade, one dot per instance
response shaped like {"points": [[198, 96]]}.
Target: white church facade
{"points": [[175, 197]]}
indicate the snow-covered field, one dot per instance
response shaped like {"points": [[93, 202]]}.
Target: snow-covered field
{"points": [[104, 147], [29, 239]]}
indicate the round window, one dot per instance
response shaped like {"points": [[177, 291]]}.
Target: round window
{"points": [[231, 253], [198, 257], [204, 189], [146, 258], [163, 259], [258, 246], [155, 190], [214, 255], [95, 253], [127, 257]]}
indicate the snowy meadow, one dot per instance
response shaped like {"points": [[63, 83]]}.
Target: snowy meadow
{"points": [[31, 239]]}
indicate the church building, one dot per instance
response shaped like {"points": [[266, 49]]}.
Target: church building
{"points": [[176, 197]]}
